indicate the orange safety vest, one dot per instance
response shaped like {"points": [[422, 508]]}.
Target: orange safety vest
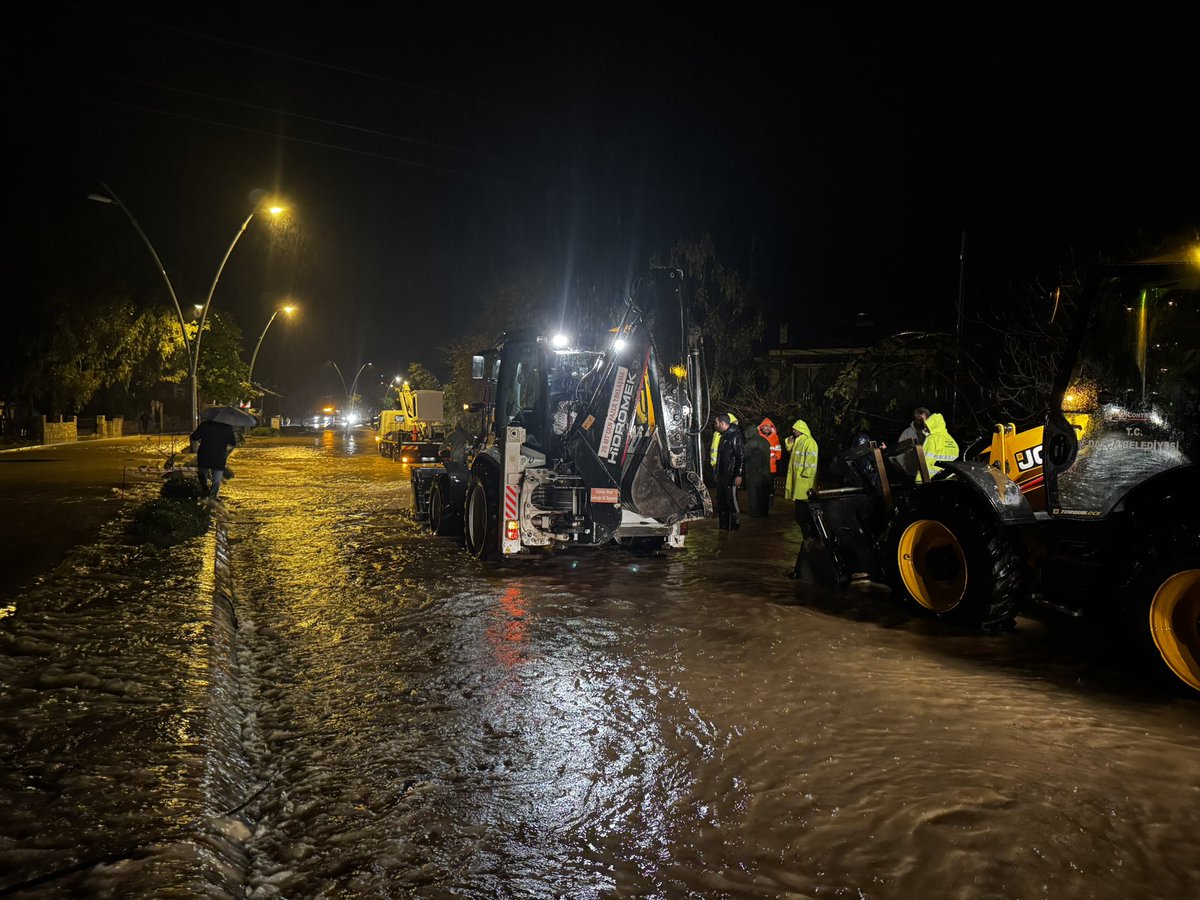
{"points": [[773, 440]]}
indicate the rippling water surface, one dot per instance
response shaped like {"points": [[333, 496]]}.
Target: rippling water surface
{"points": [[695, 725], [393, 719], [109, 696]]}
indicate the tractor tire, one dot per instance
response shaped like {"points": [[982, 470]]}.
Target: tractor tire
{"points": [[443, 520], [953, 559], [1162, 606], [481, 518]]}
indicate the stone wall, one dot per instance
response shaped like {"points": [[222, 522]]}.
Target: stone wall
{"points": [[63, 431]]}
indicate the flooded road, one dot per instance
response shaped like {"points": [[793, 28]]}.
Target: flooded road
{"points": [[417, 723]]}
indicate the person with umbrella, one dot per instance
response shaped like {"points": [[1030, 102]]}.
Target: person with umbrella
{"points": [[216, 437]]}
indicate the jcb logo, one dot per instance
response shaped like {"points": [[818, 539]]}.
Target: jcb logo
{"points": [[1029, 459]]}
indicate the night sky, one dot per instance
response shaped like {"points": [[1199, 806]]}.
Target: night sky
{"points": [[836, 158]]}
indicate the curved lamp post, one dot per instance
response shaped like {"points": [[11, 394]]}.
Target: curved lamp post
{"points": [[342, 377], [110, 197], [273, 210], [353, 389], [286, 310], [192, 347], [354, 384]]}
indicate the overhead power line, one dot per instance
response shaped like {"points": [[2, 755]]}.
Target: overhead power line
{"points": [[307, 118], [316, 63], [283, 137]]}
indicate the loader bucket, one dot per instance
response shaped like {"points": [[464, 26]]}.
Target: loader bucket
{"points": [[840, 534]]}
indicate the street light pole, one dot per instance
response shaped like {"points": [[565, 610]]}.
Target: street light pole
{"points": [[354, 384], [110, 197], [345, 390], [283, 309], [353, 416], [204, 312], [192, 347]]}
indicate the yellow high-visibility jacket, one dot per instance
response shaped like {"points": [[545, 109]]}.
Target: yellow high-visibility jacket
{"points": [[802, 465], [939, 446]]}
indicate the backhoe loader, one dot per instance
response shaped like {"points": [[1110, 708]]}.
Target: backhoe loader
{"points": [[1093, 512], [579, 445]]}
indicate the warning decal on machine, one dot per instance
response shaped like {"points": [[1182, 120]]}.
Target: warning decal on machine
{"points": [[606, 495]]}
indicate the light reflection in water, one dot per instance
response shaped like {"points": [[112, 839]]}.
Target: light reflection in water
{"points": [[508, 634], [587, 771], [699, 727]]}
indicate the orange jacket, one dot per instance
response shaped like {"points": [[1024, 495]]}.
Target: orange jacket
{"points": [[772, 438]]}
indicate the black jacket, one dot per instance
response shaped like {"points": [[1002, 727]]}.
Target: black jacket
{"points": [[216, 440], [731, 455]]}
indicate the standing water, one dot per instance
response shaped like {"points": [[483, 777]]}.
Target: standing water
{"points": [[374, 713], [597, 724]]}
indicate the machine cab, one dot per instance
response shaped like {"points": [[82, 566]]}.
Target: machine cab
{"points": [[1128, 408], [520, 371], [535, 386]]}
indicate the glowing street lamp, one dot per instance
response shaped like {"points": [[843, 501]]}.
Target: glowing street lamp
{"points": [[287, 311], [274, 211]]}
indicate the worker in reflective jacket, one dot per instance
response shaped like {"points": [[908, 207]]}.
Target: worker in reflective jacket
{"points": [[763, 452], [802, 470], [802, 465], [939, 446], [767, 429], [730, 469], [712, 454]]}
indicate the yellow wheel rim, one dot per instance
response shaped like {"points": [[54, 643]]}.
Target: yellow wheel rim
{"points": [[1175, 625], [932, 565]]}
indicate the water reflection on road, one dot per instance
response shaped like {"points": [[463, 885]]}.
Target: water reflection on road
{"points": [[600, 724]]}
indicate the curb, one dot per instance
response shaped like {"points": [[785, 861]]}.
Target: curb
{"points": [[221, 859], [223, 570]]}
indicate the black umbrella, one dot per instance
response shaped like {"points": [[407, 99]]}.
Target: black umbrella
{"points": [[230, 415]]}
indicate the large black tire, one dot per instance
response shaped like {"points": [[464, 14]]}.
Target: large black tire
{"points": [[949, 555], [443, 520], [1161, 602], [481, 519]]}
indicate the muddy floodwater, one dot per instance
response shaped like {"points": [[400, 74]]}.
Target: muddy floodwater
{"points": [[696, 725], [413, 723]]}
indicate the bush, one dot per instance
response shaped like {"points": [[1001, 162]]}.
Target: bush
{"points": [[164, 522], [263, 431], [181, 487]]}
